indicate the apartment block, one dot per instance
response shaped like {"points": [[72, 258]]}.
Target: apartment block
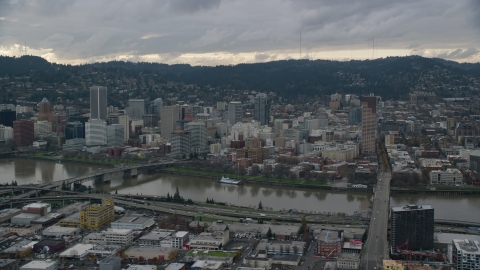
{"points": [[466, 254], [414, 223], [446, 177]]}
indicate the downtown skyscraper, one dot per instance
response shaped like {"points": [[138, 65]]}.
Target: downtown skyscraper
{"points": [[369, 124], [261, 109], [98, 102]]}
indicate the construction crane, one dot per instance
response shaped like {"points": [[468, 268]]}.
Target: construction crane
{"points": [[409, 254], [330, 254], [406, 252]]}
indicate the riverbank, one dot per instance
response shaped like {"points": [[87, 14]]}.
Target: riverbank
{"points": [[251, 180], [59, 159]]}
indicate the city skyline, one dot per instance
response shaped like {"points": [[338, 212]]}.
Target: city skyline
{"points": [[218, 32]]}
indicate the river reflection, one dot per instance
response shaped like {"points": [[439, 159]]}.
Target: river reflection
{"points": [[276, 197], [25, 171]]}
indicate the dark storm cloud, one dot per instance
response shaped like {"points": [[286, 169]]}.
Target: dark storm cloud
{"points": [[189, 6], [207, 30]]}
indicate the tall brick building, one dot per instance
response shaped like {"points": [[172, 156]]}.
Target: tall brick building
{"points": [[369, 124], [23, 132]]}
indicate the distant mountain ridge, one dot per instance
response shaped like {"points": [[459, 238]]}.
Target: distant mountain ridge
{"points": [[392, 77]]}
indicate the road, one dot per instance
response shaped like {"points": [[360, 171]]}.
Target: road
{"points": [[376, 247]]}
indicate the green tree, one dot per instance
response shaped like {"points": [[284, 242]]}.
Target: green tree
{"points": [[116, 191], [269, 233], [260, 206]]}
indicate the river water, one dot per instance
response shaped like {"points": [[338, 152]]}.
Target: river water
{"points": [[464, 208]]}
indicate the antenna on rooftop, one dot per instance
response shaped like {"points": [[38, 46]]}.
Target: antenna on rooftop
{"points": [[373, 48], [300, 45]]}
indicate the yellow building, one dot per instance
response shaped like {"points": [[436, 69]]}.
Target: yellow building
{"points": [[94, 217], [392, 265]]}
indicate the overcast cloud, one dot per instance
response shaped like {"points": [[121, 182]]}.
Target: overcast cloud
{"points": [[212, 32]]}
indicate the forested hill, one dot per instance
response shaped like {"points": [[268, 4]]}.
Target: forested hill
{"points": [[392, 77]]}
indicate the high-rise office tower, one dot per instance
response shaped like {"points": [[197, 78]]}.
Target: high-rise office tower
{"points": [[170, 117], [235, 112], [369, 124], [96, 132], [198, 137], [98, 102], [115, 135], [262, 109], [74, 130], [414, 223], [136, 108], [7, 117], [124, 120], [157, 105], [180, 141], [44, 110], [24, 132], [354, 115]]}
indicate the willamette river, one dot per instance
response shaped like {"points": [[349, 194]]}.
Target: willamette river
{"points": [[465, 208]]}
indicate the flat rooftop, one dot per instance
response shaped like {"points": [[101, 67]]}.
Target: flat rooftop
{"points": [[27, 215], [329, 236], [155, 236], [38, 265], [411, 207], [7, 212], [447, 238], [467, 246], [133, 219], [49, 242], [37, 205]]}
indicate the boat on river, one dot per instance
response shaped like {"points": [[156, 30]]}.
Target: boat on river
{"points": [[230, 181]]}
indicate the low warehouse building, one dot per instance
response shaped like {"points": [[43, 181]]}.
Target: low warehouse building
{"points": [[167, 253], [58, 231], [24, 218], [79, 251], [7, 214], [40, 265], [110, 263], [8, 264], [49, 245]]}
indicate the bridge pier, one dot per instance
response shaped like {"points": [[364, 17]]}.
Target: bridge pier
{"points": [[133, 172], [107, 177]]}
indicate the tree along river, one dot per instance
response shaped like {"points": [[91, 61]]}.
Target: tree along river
{"points": [[25, 171]]}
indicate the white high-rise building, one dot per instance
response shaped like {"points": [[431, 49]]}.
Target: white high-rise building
{"points": [[96, 132], [42, 127], [6, 133], [466, 254], [98, 102]]}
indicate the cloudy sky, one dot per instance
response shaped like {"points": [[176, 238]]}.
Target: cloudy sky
{"points": [[213, 32]]}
